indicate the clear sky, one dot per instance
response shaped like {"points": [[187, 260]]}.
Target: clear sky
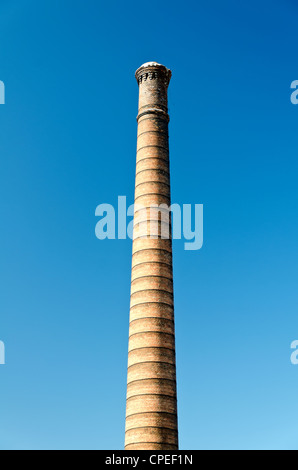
{"points": [[67, 144]]}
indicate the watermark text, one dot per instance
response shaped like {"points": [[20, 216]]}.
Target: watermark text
{"points": [[294, 355], [2, 353], [2, 93], [153, 221], [294, 95]]}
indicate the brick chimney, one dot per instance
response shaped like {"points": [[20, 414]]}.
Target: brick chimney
{"points": [[151, 411]]}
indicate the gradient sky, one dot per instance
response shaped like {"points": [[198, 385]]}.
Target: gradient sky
{"points": [[68, 141]]}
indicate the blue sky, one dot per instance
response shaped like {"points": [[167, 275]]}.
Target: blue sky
{"points": [[68, 139]]}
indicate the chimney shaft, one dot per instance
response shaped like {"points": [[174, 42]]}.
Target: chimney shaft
{"points": [[151, 411]]}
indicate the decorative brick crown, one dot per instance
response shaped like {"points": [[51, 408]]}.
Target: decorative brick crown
{"points": [[153, 71]]}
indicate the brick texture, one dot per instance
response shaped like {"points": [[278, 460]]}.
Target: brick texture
{"points": [[151, 412]]}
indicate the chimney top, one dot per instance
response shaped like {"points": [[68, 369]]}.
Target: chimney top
{"points": [[151, 67]]}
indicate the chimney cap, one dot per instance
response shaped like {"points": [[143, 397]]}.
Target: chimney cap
{"points": [[155, 66]]}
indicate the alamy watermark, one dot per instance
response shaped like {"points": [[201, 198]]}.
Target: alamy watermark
{"points": [[151, 221], [294, 95], [2, 93], [2, 353], [294, 355]]}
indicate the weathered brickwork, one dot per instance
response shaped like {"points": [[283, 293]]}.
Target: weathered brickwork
{"points": [[151, 412]]}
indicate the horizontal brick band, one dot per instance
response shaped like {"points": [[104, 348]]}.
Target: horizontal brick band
{"points": [[154, 136], [144, 380], [156, 187], [152, 354], [154, 119], [156, 200], [150, 362], [156, 349], [161, 265], [158, 435], [158, 259], [146, 427], [151, 268], [154, 296], [153, 163], [152, 273], [154, 106], [157, 276], [152, 230], [152, 158], [153, 320], [141, 210], [152, 283], [153, 183], [149, 386], [154, 249], [153, 125], [152, 245], [150, 446], [161, 325], [150, 331], [151, 402], [163, 420], [159, 140], [166, 413], [153, 132], [151, 370], [151, 194], [152, 291], [161, 113], [153, 146], [152, 339], [152, 309], [151, 223], [153, 220], [154, 170], [142, 395], [152, 175], [151, 303], [153, 152], [152, 236]]}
